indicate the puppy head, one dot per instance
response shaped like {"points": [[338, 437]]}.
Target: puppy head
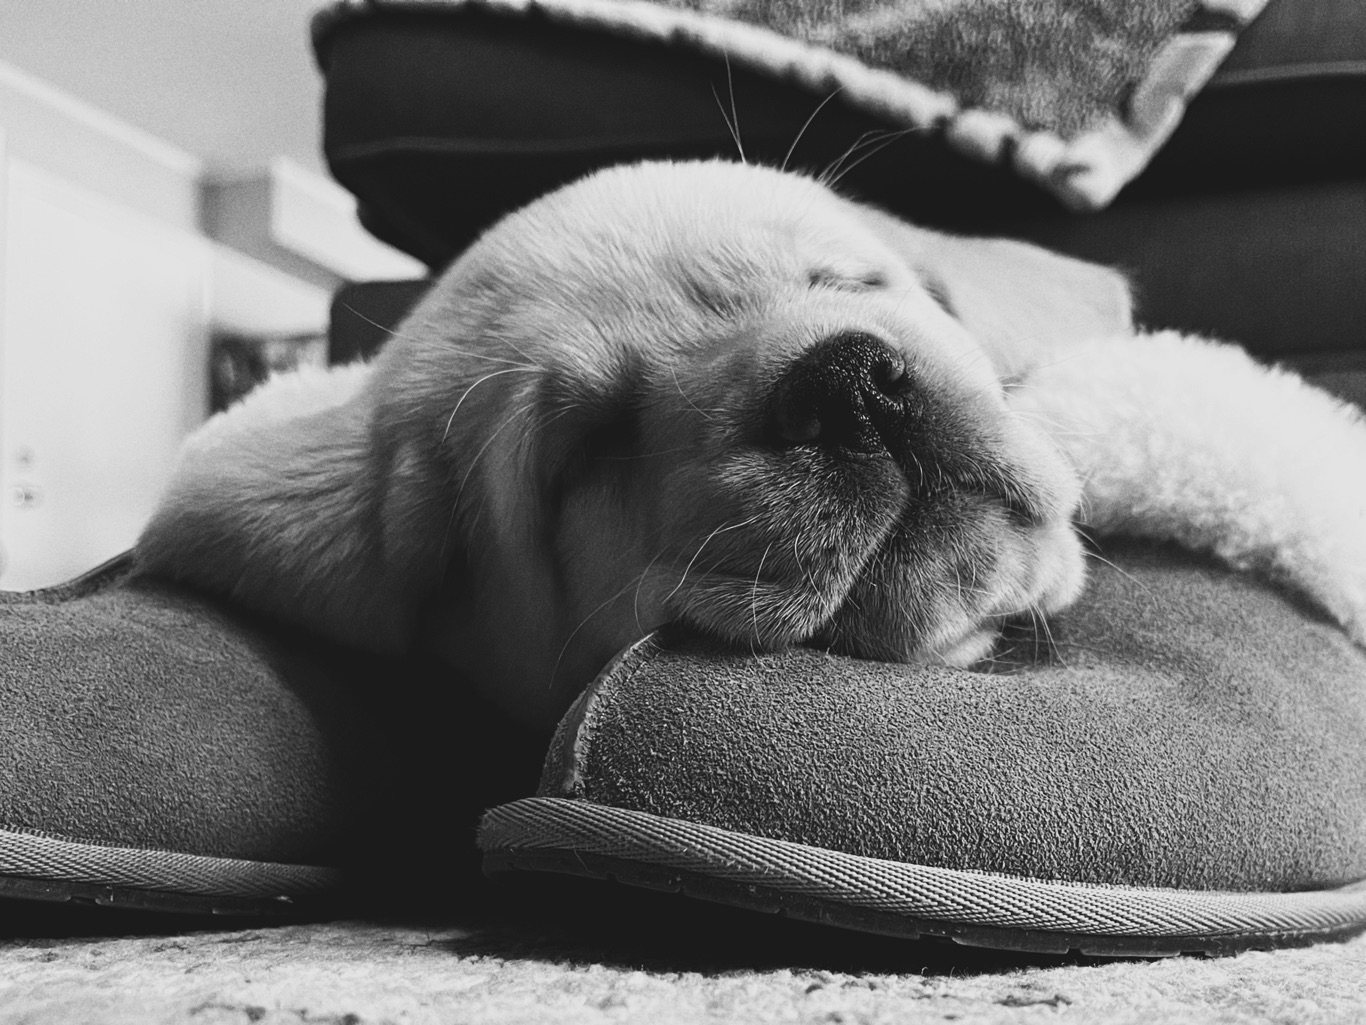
{"points": [[708, 393]]}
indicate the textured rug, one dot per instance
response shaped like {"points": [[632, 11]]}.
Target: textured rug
{"points": [[657, 960], [358, 972]]}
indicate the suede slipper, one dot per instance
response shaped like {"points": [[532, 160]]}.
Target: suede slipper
{"points": [[161, 752], [166, 751], [1179, 768]]}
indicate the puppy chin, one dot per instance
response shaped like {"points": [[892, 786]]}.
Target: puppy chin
{"points": [[938, 611], [1059, 576], [976, 647], [1061, 568]]}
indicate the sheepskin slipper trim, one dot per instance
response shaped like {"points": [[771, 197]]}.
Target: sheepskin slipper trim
{"points": [[159, 751], [931, 66], [1179, 767]]}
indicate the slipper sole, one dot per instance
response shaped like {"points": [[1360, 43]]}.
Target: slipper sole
{"points": [[41, 866], [577, 837]]}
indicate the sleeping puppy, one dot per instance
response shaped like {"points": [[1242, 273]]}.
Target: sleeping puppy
{"points": [[708, 393]]}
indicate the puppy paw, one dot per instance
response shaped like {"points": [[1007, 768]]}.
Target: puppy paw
{"points": [[1191, 441]]}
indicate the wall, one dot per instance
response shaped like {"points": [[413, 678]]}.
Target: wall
{"points": [[109, 292], [233, 83]]}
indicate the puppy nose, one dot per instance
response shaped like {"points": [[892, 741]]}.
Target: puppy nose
{"points": [[846, 390]]}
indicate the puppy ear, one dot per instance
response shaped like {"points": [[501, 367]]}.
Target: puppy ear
{"points": [[292, 505], [1022, 303]]}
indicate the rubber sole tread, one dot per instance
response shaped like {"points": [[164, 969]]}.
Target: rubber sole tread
{"points": [[553, 835]]}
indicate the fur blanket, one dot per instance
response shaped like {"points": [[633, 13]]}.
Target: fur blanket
{"points": [[1061, 66]]}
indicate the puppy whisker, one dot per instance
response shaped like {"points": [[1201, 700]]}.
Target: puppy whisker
{"points": [[460, 492], [474, 463], [806, 572], [463, 353], [869, 152], [466, 394], [640, 582], [389, 332], [754, 599], [871, 143], [1042, 625], [733, 121], [1092, 554], [826, 176], [673, 372], [972, 359], [537, 425], [807, 124], [633, 582], [723, 528]]}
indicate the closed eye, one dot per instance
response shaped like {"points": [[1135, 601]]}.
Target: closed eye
{"points": [[863, 281]]}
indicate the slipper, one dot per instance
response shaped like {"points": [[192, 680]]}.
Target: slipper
{"points": [[1177, 768], [166, 751], [163, 753]]}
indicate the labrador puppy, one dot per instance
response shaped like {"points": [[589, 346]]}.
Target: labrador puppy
{"points": [[706, 393]]}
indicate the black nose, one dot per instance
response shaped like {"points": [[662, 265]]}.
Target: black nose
{"points": [[849, 390]]}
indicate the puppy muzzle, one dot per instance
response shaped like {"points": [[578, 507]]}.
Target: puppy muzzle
{"points": [[856, 395]]}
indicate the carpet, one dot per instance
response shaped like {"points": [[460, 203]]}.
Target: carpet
{"points": [[604, 955]]}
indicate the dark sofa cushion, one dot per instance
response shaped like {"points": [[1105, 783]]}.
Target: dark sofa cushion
{"points": [[440, 117], [1249, 225], [1287, 106]]}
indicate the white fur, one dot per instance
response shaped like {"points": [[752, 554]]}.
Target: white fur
{"points": [[278, 400], [1187, 440], [570, 442], [1175, 438]]}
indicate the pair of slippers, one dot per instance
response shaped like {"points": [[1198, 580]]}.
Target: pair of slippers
{"points": [[1177, 767]]}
